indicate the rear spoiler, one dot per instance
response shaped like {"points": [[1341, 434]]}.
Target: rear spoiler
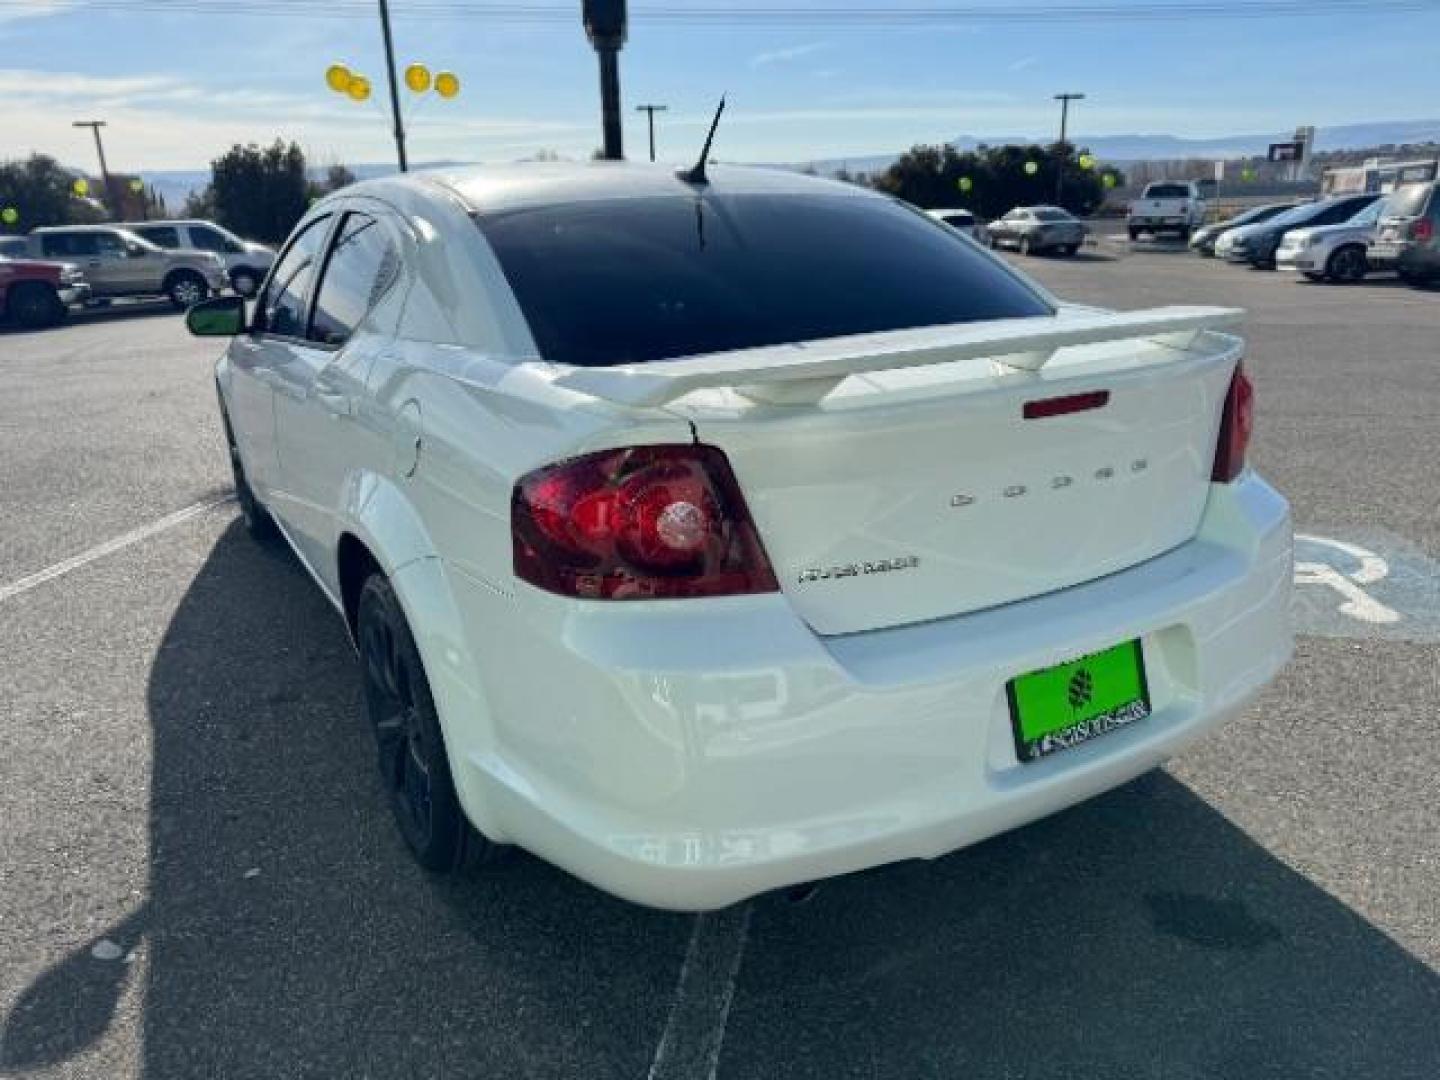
{"points": [[807, 372]]}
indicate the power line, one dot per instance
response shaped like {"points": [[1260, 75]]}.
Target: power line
{"points": [[868, 16]]}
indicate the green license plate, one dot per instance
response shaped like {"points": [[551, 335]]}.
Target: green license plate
{"points": [[1072, 703]]}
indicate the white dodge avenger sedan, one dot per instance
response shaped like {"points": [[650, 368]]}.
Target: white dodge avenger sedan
{"points": [[708, 535]]}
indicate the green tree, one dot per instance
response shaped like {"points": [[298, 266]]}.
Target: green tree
{"points": [[993, 179], [338, 176], [258, 192], [40, 191]]}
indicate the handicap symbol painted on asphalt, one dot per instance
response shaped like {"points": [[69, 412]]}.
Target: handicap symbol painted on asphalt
{"points": [[1349, 583], [1365, 583]]}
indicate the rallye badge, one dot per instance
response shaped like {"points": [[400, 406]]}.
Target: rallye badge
{"points": [[879, 566]]}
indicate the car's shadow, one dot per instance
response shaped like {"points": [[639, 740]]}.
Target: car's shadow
{"points": [[120, 311], [285, 933]]}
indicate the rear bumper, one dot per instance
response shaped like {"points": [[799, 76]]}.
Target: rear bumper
{"points": [[688, 760]]}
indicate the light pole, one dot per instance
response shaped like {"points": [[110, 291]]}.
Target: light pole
{"points": [[1064, 100], [605, 24], [650, 111], [95, 126], [394, 86]]}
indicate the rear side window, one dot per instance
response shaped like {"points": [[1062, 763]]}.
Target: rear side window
{"points": [[633, 280], [166, 236], [287, 293], [1410, 200], [363, 264]]}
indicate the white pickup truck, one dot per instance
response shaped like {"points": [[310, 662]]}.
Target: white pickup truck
{"points": [[1167, 207]]}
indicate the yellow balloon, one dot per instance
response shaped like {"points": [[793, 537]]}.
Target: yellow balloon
{"points": [[82, 187], [417, 78], [1031, 168], [137, 185], [447, 84], [9, 215], [338, 78], [1087, 161], [359, 88]]}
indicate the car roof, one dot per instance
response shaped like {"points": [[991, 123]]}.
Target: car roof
{"points": [[109, 226], [493, 188]]}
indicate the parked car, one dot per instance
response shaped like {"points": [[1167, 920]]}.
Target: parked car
{"points": [[1167, 207], [35, 294], [1203, 239], [1334, 252], [1032, 229], [119, 263], [246, 262], [1257, 244], [1406, 240], [612, 604], [965, 221]]}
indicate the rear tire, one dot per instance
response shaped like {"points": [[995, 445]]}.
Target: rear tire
{"points": [[35, 305], [245, 281], [414, 765], [186, 288], [1347, 264]]}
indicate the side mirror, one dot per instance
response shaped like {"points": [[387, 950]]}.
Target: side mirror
{"points": [[220, 316]]}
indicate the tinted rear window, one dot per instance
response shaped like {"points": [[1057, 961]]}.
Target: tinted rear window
{"points": [[1167, 191], [631, 280], [1053, 215], [1409, 201]]}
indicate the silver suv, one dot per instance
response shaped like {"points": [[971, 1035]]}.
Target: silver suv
{"points": [[116, 262], [245, 261]]}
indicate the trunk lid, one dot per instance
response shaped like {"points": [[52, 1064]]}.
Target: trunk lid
{"points": [[902, 496]]}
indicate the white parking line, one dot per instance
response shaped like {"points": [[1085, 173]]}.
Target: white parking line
{"points": [[109, 547], [689, 1048]]}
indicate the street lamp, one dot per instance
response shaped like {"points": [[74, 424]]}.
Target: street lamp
{"points": [[1064, 100], [650, 111], [605, 26]]}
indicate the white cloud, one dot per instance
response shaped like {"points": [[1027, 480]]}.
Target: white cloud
{"points": [[1024, 62], [784, 56], [15, 10]]}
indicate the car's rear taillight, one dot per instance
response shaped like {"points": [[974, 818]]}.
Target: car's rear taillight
{"points": [[1236, 424], [1423, 229], [640, 523]]}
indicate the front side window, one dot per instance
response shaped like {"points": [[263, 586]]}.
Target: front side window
{"points": [[109, 243], [165, 236], [207, 239], [640, 279], [287, 293], [363, 264]]}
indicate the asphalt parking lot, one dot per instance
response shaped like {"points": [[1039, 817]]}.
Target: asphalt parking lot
{"points": [[199, 879]]}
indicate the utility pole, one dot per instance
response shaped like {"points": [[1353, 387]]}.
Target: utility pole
{"points": [[650, 111], [95, 126], [605, 26], [1064, 100], [394, 86]]}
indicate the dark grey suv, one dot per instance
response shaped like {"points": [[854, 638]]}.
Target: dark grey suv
{"points": [[1407, 239]]}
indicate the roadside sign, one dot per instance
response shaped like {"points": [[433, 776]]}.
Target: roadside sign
{"points": [[1286, 151]]}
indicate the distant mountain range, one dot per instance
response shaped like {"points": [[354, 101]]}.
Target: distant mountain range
{"points": [[1123, 148], [176, 184]]}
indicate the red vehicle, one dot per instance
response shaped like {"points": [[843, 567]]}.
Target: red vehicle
{"points": [[36, 294]]}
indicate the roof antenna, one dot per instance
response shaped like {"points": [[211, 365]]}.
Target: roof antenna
{"points": [[696, 175]]}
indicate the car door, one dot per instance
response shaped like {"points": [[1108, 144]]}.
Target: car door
{"points": [[256, 358], [126, 270], [83, 248], [319, 391]]}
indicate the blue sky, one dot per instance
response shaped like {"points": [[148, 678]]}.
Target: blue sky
{"points": [[177, 89]]}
